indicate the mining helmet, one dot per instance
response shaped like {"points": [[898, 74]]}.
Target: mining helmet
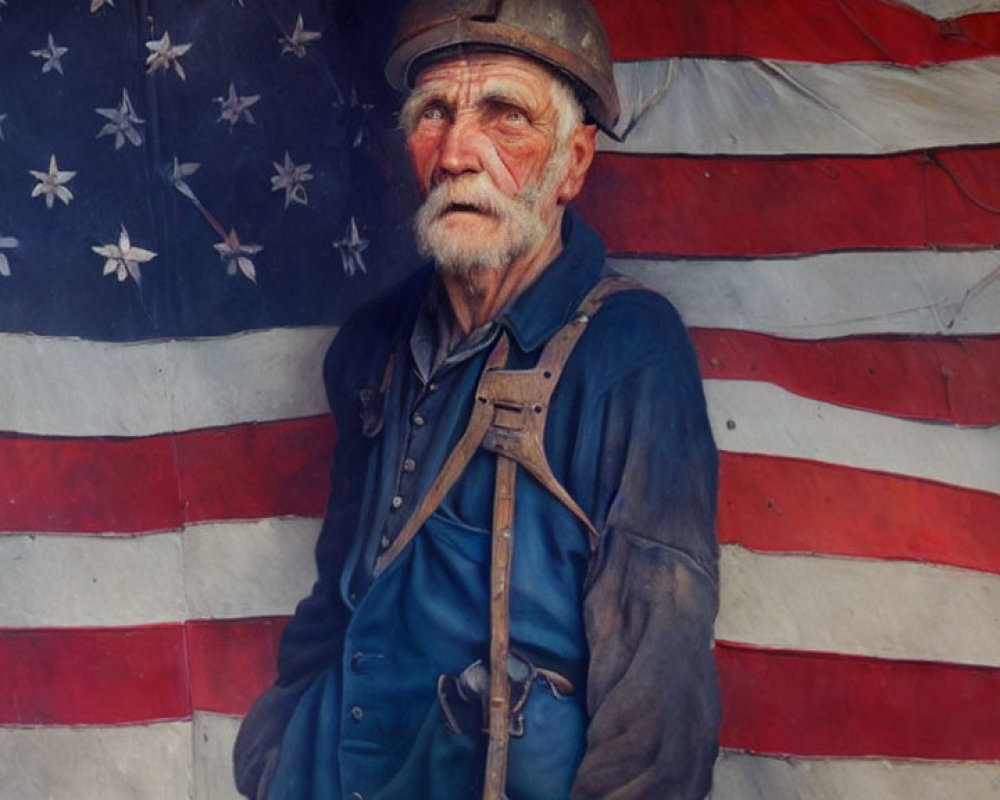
{"points": [[565, 34]]}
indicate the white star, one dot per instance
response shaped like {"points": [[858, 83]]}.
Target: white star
{"points": [[299, 39], [290, 177], [6, 243], [123, 259], [232, 108], [51, 53], [123, 122], [180, 172], [163, 55], [234, 255], [96, 4], [350, 248], [53, 184], [360, 112]]}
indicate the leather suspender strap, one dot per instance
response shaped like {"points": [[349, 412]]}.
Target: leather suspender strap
{"points": [[501, 554], [454, 465], [520, 399], [500, 399], [508, 418]]}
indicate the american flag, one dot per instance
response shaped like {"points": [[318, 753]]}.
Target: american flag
{"points": [[814, 185]]}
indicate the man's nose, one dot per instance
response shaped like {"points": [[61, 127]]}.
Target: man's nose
{"points": [[461, 145]]}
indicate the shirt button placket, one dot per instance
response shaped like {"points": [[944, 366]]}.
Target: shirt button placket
{"points": [[358, 663]]}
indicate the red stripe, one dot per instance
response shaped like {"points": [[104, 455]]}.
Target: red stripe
{"points": [[694, 206], [232, 661], [93, 677], [87, 485], [948, 379], [160, 482], [814, 704], [963, 190], [254, 471], [114, 676], [774, 701], [787, 505], [821, 31], [766, 503]]}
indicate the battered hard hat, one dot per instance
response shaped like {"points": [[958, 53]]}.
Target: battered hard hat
{"points": [[565, 34]]}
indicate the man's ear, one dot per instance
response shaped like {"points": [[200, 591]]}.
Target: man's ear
{"points": [[582, 144]]}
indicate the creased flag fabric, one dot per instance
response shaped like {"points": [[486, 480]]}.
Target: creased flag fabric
{"points": [[196, 194]]}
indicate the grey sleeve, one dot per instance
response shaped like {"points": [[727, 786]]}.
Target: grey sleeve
{"points": [[652, 593]]}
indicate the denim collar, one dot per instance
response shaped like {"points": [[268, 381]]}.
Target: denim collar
{"points": [[535, 314], [549, 302]]}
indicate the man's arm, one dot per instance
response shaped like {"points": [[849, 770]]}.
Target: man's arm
{"points": [[313, 639], [652, 594]]}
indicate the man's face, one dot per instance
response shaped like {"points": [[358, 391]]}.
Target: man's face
{"points": [[482, 138]]}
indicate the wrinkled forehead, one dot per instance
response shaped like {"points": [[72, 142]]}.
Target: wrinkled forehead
{"points": [[470, 74]]}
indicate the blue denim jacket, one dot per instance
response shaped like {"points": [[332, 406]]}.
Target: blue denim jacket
{"points": [[630, 625]]}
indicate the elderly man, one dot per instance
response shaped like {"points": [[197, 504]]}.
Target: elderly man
{"points": [[518, 568]]}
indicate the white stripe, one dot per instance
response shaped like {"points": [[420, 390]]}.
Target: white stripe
{"points": [[839, 294], [74, 580], [219, 570], [755, 417], [152, 762], [141, 389], [738, 775], [266, 375], [947, 9], [702, 106], [884, 609], [875, 608], [249, 569], [70, 387], [142, 762], [214, 735], [743, 776]]}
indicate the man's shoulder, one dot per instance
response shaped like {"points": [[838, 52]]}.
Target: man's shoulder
{"points": [[635, 331], [364, 342], [385, 312], [638, 321]]}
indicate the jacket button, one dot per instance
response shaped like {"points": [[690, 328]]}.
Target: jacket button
{"points": [[409, 465], [357, 713], [418, 420], [356, 796], [397, 501], [358, 662]]}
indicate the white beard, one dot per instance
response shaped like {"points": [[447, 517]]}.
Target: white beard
{"points": [[520, 227]]}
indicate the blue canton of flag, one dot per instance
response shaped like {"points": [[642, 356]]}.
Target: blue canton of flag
{"points": [[194, 168]]}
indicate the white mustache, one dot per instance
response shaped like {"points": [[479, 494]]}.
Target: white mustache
{"points": [[470, 192]]}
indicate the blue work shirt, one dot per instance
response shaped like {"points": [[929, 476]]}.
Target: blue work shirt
{"points": [[629, 625]]}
